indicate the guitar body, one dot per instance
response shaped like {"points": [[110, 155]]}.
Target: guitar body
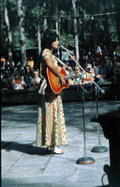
{"points": [[53, 82]]}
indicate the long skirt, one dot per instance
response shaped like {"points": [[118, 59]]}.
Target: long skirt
{"points": [[51, 129]]}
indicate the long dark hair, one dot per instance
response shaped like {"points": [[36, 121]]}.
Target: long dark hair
{"points": [[48, 38]]}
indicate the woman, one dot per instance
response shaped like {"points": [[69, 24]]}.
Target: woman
{"points": [[51, 130], [18, 82]]}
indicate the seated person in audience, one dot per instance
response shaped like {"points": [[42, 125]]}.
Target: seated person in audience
{"points": [[18, 69], [103, 70], [96, 70], [105, 51], [18, 82], [36, 79], [115, 69], [89, 75], [28, 76], [4, 77], [30, 62], [2, 62], [108, 69], [23, 83], [79, 80], [99, 51]]}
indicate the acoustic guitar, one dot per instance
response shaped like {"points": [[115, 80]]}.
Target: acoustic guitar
{"points": [[53, 82]]}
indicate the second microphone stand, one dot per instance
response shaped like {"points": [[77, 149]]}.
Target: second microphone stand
{"points": [[85, 159], [99, 148]]}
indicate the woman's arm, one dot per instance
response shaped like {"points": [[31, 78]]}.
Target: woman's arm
{"points": [[54, 69]]}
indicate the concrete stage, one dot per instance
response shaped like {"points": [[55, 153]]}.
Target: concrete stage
{"points": [[23, 164]]}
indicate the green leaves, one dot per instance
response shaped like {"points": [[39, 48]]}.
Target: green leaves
{"points": [[67, 39], [35, 11]]}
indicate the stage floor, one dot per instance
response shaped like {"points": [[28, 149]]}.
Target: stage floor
{"points": [[23, 164]]}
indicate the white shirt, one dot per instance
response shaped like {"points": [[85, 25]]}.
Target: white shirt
{"points": [[98, 50]]}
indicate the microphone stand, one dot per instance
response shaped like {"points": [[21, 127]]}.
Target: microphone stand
{"points": [[85, 159], [102, 91], [66, 49], [99, 148], [88, 160]]}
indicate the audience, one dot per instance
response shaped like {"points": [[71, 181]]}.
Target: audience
{"points": [[103, 67]]}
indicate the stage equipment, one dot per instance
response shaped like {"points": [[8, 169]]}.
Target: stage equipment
{"points": [[110, 123], [70, 68], [66, 49], [85, 159], [99, 148], [102, 91]]}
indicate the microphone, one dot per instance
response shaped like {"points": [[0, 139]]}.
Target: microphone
{"points": [[65, 49], [103, 91]]}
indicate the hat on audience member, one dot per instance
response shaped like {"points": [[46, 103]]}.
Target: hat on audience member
{"points": [[77, 67], [89, 66]]}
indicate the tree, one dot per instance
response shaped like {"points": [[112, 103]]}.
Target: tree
{"points": [[70, 18], [22, 33], [38, 33], [75, 30], [117, 8], [9, 31]]}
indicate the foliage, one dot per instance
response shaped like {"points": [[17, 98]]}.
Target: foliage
{"points": [[103, 27], [67, 39]]}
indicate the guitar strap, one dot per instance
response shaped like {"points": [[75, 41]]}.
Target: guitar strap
{"points": [[42, 85]]}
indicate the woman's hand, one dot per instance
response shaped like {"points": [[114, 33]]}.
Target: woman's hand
{"points": [[62, 80]]}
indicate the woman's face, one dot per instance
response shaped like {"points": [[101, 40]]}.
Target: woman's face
{"points": [[55, 44]]}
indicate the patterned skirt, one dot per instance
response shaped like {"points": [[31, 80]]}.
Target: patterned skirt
{"points": [[51, 128]]}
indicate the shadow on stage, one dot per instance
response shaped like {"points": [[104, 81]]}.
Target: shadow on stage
{"points": [[24, 148]]}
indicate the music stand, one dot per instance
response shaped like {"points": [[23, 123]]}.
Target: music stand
{"points": [[85, 159], [99, 148]]}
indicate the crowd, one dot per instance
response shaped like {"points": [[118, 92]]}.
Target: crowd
{"points": [[103, 65], [18, 77]]}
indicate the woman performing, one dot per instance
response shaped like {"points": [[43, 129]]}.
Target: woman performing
{"points": [[51, 130]]}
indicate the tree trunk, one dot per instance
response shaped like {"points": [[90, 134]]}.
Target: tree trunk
{"points": [[117, 8], [39, 38], [9, 31], [22, 33], [57, 19], [56, 26], [45, 23], [39, 45], [75, 31], [82, 32]]}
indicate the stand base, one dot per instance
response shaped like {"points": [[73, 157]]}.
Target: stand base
{"points": [[99, 149], [85, 160]]}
